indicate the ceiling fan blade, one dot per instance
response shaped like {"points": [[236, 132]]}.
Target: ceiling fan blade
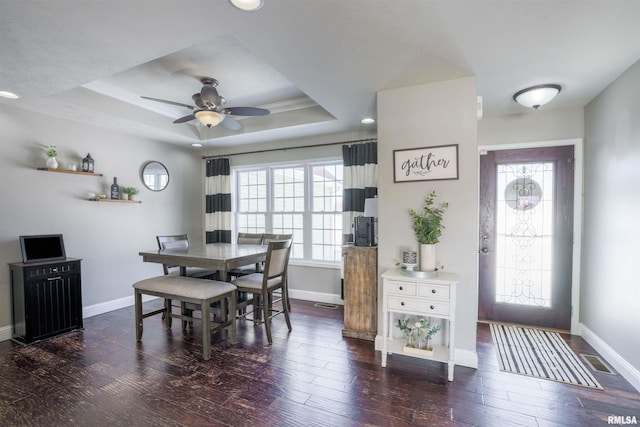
{"points": [[229, 123], [209, 95], [185, 119], [246, 111], [191, 107]]}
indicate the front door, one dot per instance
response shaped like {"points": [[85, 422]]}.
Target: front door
{"points": [[526, 236]]}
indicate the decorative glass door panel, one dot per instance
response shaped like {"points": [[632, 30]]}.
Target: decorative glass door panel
{"points": [[524, 233], [526, 236]]}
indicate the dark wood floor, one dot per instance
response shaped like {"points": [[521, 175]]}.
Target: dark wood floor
{"points": [[100, 376]]}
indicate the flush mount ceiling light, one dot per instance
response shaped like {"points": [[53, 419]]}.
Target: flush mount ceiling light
{"points": [[535, 96], [9, 95], [367, 120], [209, 118], [248, 5]]}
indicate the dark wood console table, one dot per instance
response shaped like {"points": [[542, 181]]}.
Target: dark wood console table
{"points": [[46, 299]]}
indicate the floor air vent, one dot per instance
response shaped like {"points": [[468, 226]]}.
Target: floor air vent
{"points": [[325, 305], [596, 363]]}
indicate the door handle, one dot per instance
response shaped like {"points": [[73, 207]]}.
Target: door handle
{"points": [[484, 250]]}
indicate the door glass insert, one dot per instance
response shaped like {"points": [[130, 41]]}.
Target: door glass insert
{"points": [[524, 233]]}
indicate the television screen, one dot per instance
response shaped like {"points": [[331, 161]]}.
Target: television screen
{"points": [[48, 247]]}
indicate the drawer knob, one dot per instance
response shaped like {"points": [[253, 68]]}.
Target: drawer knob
{"points": [[433, 291], [402, 303], [432, 307], [401, 288]]}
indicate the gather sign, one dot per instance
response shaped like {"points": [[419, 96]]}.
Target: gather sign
{"points": [[425, 164]]}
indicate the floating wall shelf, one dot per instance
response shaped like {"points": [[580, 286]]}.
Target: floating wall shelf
{"points": [[71, 172], [115, 201]]}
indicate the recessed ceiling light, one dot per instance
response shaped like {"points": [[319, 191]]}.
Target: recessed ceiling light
{"points": [[10, 95], [248, 5], [196, 144], [367, 120]]}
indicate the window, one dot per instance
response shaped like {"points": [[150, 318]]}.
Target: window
{"points": [[326, 223], [304, 200], [252, 201]]}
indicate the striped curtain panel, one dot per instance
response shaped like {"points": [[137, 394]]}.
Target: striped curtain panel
{"points": [[360, 181], [218, 201]]}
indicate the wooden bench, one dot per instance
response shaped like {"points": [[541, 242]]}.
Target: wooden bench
{"points": [[189, 290]]}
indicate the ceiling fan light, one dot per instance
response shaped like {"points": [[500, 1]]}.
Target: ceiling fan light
{"points": [[8, 95], [209, 118], [535, 96], [247, 5]]}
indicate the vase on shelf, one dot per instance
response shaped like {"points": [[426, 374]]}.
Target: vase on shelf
{"points": [[426, 343], [427, 257], [52, 163], [410, 340]]}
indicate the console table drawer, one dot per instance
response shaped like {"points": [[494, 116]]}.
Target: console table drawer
{"points": [[401, 288], [434, 291], [422, 306]]}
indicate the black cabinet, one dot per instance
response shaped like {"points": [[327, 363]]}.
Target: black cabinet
{"points": [[46, 299]]}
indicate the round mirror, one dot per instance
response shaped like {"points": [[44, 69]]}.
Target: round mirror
{"points": [[155, 176]]}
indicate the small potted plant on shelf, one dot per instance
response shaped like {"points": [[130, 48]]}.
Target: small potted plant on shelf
{"points": [[427, 226], [52, 153], [130, 192]]}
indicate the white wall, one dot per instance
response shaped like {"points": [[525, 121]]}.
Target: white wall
{"points": [[540, 125], [107, 236], [428, 115], [610, 307]]}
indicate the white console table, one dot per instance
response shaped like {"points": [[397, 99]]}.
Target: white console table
{"points": [[433, 297]]}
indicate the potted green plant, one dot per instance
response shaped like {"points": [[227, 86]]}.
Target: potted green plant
{"points": [[427, 226], [129, 191], [52, 153]]}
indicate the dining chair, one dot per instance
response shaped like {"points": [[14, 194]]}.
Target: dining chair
{"points": [[266, 238], [246, 239], [181, 242], [263, 285]]}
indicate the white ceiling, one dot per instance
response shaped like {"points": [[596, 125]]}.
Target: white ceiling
{"points": [[316, 64]]}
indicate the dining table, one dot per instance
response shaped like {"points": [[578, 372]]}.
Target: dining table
{"points": [[214, 256]]}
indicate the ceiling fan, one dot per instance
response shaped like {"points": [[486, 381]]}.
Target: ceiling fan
{"points": [[210, 107]]}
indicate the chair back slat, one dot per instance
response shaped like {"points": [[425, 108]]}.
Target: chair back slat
{"points": [[277, 258], [172, 242], [162, 240], [266, 238], [249, 239]]}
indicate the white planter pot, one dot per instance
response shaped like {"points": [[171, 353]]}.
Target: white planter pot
{"points": [[52, 163], [427, 257]]}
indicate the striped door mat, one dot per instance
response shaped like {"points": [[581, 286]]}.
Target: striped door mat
{"points": [[539, 353]]}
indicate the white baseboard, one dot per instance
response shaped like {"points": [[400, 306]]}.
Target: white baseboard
{"points": [[316, 296], [466, 358], [623, 367], [94, 310], [105, 307], [5, 333], [89, 311], [462, 357]]}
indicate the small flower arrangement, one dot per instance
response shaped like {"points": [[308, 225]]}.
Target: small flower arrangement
{"points": [[413, 331], [52, 151]]}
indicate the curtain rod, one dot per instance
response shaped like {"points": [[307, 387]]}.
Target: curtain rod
{"points": [[292, 148]]}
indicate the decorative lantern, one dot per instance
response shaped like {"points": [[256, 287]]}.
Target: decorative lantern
{"points": [[87, 164]]}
